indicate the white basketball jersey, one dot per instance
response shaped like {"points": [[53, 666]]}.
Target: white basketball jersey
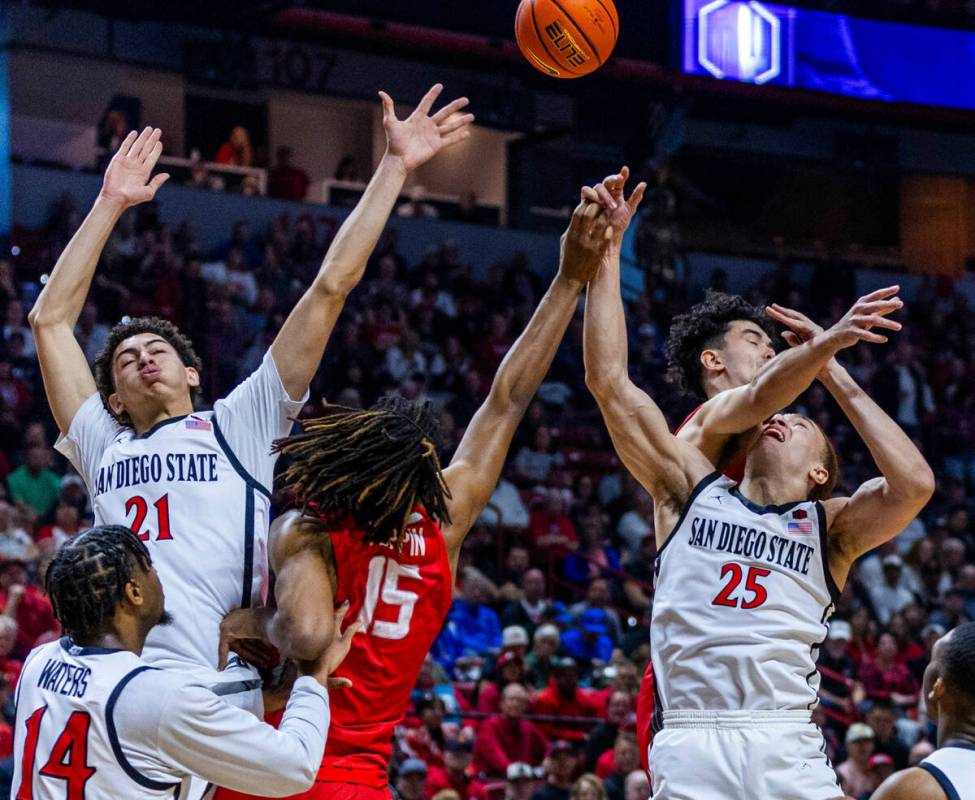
{"points": [[743, 594], [65, 743], [195, 489], [953, 767]]}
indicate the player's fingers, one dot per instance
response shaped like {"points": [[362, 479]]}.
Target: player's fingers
{"points": [[791, 339], [451, 108], [389, 112], [597, 230], [353, 629], [136, 149], [456, 136], [127, 143], [429, 98], [340, 612], [604, 196], [881, 306], [224, 653], [876, 321], [590, 194], [152, 156], [338, 683], [869, 336], [457, 123], [637, 196], [150, 146], [880, 294], [157, 182]]}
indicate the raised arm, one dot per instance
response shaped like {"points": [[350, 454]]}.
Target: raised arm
{"points": [[67, 377], [475, 467], [300, 344], [789, 374], [881, 508], [665, 466]]}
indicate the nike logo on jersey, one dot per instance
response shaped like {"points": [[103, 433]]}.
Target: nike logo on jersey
{"points": [[740, 540]]}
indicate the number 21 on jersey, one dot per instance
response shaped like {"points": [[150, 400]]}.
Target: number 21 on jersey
{"points": [[382, 586]]}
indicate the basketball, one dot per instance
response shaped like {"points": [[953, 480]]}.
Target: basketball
{"points": [[566, 38]]}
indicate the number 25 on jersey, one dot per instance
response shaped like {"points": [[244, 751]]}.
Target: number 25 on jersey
{"points": [[752, 596]]}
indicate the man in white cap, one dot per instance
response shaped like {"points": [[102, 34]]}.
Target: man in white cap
{"points": [[837, 669], [892, 595], [520, 781], [855, 777], [540, 660], [515, 638]]}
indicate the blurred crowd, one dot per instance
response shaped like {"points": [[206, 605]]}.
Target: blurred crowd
{"points": [[530, 689]]}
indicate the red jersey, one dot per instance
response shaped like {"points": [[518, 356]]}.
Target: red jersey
{"points": [[402, 597], [645, 701]]}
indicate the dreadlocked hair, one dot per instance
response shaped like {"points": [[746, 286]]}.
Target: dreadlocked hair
{"points": [[87, 578], [375, 465], [701, 328], [164, 329]]}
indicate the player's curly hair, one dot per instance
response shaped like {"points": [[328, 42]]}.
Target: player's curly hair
{"points": [[375, 465], [701, 328], [86, 579], [162, 328]]}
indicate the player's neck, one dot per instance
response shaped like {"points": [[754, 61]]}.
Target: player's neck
{"points": [[113, 640], [718, 384], [768, 491], [955, 731], [146, 422]]}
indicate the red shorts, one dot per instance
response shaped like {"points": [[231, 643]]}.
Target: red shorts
{"points": [[321, 790], [644, 716]]}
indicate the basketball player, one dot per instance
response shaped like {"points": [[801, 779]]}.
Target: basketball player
{"points": [[196, 486], [390, 526], [721, 352], [95, 721], [949, 689], [747, 576]]}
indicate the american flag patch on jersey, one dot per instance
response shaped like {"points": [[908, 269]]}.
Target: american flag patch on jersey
{"points": [[805, 526], [195, 424]]}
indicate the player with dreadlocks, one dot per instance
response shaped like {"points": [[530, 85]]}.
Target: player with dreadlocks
{"points": [[95, 720], [949, 692], [383, 527], [720, 351]]}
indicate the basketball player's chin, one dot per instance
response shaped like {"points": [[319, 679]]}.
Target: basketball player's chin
{"points": [[165, 618]]}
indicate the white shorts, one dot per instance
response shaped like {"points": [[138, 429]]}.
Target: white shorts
{"points": [[740, 755]]}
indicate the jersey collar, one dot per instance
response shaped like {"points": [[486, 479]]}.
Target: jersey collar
{"points": [[68, 645], [159, 425]]}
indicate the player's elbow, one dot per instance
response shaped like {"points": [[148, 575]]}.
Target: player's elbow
{"points": [[922, 483], [601, 378], [305, 637], [299, 779]]}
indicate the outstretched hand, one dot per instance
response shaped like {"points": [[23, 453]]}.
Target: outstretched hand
{"points": [[584, 241], [127, 177], [610, 195], [419, 137], [800, 328], [332, 658]]}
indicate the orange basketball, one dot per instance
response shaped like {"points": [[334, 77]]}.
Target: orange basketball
{"points": [[566, 38]]}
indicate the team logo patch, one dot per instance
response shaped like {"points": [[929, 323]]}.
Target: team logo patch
{"points": [[800, 522], [195, 424]]}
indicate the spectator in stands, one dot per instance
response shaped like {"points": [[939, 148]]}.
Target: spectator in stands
{"points": [[602, 738], [286, 181], [519, 781], [587, 640], [616, 764], [884, 677], [428, 742], [533, 608], [90, 333], [883, 721], [65, 526], [347, 169], [838, 671], [588, 787], [880, 768], [534, 464], [505, 508], [15, 542], [564, 698], [237, 149], [542, 659], [636, 786], [598, 595], [415, 207], [595, 556], [455, 773], [854, 772], [551, 528], [892, 595], [24, 602], [15, 394], [9, 667], [517, 562], [477, 627], [15, 319], [637, 523], [34, 485], [509, 669], [638, 583], [508, 737], [411, 782], [560, 767], [405, 358]]}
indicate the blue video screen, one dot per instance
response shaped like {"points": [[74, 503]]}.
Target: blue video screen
{"points": [[765, 43]]}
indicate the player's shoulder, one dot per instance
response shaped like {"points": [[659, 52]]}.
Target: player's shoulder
{"points": [[293, 532], [916, 783]]}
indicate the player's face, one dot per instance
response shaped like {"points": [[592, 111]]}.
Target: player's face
{"points": [[154, 608], [746, 348], [790, 444], [148, 372]]}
